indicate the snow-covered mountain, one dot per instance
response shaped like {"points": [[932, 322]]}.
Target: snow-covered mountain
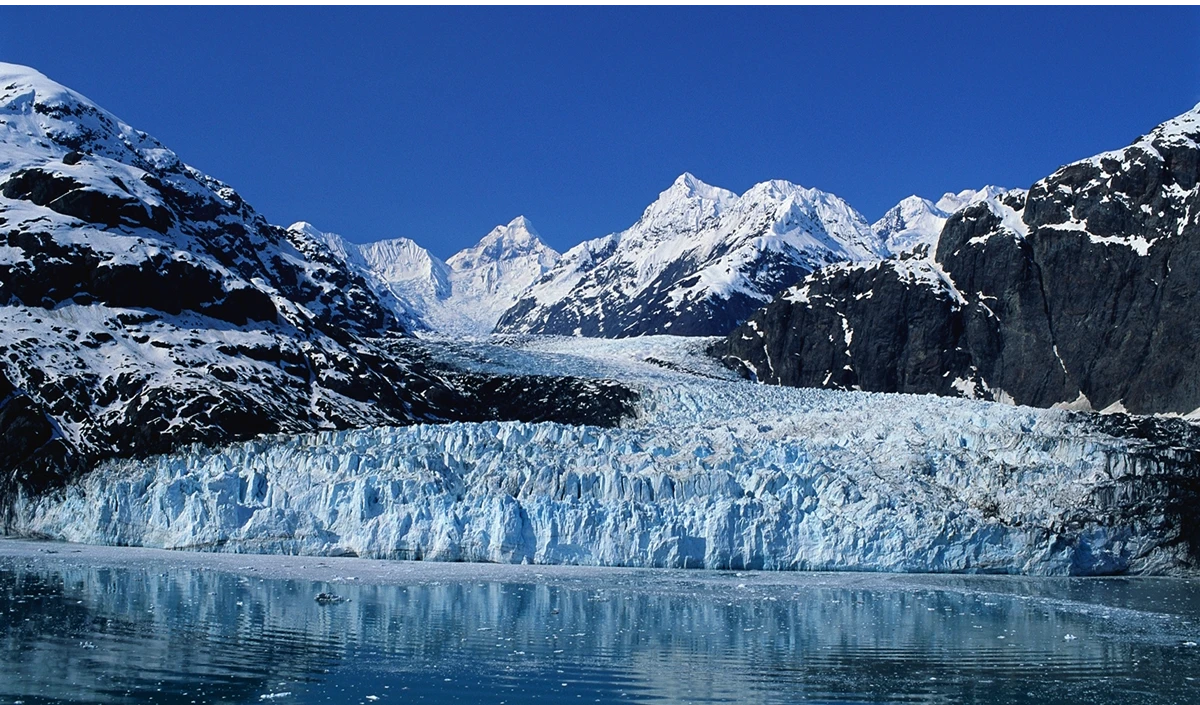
{"points": [[145, 305], [466, 294], [698, 261], [917, 221], [1081, 292]]}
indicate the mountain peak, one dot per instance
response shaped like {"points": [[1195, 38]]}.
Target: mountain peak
{"points": [[505, 241], [16, 76], [951, 202], [305, 227], [778, 190], [516, 240], [912, 222], [521, 223], [914, 202], [21, 88], [689, 187], [1184, 127]]}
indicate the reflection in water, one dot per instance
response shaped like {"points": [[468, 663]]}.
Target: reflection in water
{"points": [[130, 635]]}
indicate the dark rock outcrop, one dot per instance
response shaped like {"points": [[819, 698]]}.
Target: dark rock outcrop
{"points": [[1081, 292]]}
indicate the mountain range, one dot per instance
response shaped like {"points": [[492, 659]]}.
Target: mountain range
{"points": [[464, 295], [145, 305], [699, 261], [1080, 292]]}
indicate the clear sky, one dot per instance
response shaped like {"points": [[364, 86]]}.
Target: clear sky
{"points": [[437, 124]]}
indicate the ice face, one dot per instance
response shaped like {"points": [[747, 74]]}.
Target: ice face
{"points": [[713, 473]]}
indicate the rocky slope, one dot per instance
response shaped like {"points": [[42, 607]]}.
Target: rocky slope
{"points": [[145, 305], [1080, 292], [698, 261]]}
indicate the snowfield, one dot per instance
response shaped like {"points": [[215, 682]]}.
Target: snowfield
{"points": [[712, 472]]}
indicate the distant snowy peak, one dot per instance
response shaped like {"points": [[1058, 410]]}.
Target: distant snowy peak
{"points": [[401, 260], [917, 221], [464, 295], [687, 186], [487, 279], [951, 202], [793, 210], [913, 222], [688, 206], [517, 240], [698, 260]]}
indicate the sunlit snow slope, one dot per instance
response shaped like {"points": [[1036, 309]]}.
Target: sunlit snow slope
{"points": [[466, 294], [698, 262]]}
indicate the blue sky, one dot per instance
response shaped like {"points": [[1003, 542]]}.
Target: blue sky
{"points": [[438, 124]]}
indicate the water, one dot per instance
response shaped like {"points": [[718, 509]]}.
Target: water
{"points": [[123, 626]]}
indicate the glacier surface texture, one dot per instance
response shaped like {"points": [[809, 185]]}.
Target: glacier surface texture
{"points": [[712, 472]]}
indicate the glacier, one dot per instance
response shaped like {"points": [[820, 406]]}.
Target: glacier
{"points": [[711, 472]]}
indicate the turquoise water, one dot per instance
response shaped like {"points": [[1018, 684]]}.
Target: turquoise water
{"points": [[162, 633]]}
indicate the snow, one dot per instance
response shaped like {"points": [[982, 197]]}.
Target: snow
{"points": [[1010, 218], [920, 271], [708, 243], [966, 387], [1179, 132], [952, 202], [1081, 402], [466, 294], [917, 221], [712, 472], [913, 222], [1138, 244]]}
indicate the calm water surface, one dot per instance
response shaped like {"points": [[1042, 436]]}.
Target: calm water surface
{"points": [[81, 628]]}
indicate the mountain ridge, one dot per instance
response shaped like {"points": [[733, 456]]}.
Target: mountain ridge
{"points": [[697, 259], [1079, 293]]}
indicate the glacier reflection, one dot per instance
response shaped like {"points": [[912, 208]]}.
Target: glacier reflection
{"points": [[131, 635]]}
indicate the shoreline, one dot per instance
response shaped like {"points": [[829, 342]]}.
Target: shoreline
{"points": [[372, 571]]}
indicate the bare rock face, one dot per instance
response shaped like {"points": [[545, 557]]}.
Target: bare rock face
{"points": [[1080, 292]]}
